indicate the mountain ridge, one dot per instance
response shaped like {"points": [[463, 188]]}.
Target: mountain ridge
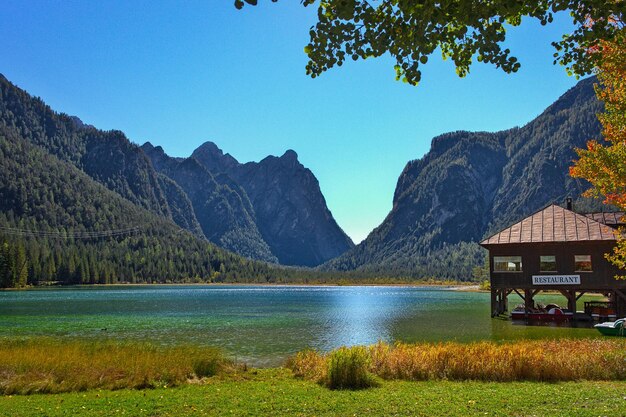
{"points": [[472, 183], [208, 203], [282, 198]]}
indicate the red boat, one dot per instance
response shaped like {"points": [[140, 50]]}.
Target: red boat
{"points": [[550, 312]]}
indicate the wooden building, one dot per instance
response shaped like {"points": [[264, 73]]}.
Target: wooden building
{"points": [[556, 249]]}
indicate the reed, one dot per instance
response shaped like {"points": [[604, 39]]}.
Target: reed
{"points": [[53, 366], [348, 368], [528, 360]]}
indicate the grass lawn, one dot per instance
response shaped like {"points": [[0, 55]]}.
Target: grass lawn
{"points": [[276, 392]]}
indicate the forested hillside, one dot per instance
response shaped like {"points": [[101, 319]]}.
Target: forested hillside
{"points": [[49, 208], [209, 203], [80, 205], [107, 157], [472, 184]]}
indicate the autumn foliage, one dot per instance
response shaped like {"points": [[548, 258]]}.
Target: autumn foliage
{"points": [[603, 164], [524, 360]]}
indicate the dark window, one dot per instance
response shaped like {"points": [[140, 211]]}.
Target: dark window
{"points": [[547, 263], [582, 263], [507, 263]]}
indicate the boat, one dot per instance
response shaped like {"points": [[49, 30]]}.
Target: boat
{"points": [[550, 312], [599, 310], [612, 328]]}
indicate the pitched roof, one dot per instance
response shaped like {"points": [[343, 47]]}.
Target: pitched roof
{"points": [[553, 224], [611, 219]]}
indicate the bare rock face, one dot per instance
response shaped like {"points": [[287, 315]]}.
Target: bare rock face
{"points": [[212, 157], [471, 184], [221, 208], [290, 210], [271, 210]]}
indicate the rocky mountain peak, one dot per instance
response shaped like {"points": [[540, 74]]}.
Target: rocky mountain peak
{"points": [[290, 155], [213, 158]]}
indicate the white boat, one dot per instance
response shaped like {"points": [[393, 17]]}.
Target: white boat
{"points": [[612, 328]]}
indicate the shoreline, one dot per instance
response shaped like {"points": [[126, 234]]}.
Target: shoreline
{"points": [[469, 287]]}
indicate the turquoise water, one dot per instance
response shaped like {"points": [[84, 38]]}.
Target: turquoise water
{"points": [[263, 324]]}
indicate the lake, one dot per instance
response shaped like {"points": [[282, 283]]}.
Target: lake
{"points": [[263, 325]]}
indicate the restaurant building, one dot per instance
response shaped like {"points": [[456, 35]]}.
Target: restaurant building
{"points": [[556, 249]]}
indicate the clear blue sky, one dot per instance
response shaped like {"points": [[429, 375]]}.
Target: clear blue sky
{"points": [[181, 73]]}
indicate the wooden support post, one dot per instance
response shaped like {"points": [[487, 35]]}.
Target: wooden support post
{"points": [[505, 300], [499, 302], [494, 306], [620, 303], [499, 306], [571, 299], [529, 303]]}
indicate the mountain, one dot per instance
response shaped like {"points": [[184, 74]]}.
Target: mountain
{"points": [[272, 208], [221, 207], [108, 157], [471, 184], [291, 212], [201, 194], [78, 205]]}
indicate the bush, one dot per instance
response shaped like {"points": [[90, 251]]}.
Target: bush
{"points": [[348, 368], [210, 364], [308, 364]]}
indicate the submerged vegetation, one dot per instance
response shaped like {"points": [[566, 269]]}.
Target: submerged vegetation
{"points": [[555, 360]]}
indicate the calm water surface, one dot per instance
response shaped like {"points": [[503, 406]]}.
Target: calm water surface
{"points": [[259, 324]]}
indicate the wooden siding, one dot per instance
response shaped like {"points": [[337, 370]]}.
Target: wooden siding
{"points": [[601, 278]]}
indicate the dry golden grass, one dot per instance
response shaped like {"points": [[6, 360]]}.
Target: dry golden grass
{"points": [[537, 360], [51, 366]]}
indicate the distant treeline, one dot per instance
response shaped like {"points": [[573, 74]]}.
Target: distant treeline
{"points": [[130, 259], [26, 261]]}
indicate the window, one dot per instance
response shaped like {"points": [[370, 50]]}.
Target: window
{"points": [[582, 263], [547, 263], [507, 263]]}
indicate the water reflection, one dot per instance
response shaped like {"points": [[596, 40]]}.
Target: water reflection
{"points": [[359, 316]]}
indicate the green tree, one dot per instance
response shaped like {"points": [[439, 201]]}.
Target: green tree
{"points": [[4, 266], [20, 273], [463, 30], [50, 269]]}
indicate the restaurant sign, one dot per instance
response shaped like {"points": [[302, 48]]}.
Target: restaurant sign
{"points": [[556, 279]]}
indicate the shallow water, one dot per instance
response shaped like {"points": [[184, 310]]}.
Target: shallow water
{"points": [[262, 325]]}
